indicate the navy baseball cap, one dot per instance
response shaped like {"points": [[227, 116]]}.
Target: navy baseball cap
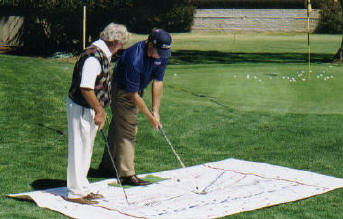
{"points": [[162, 41]]}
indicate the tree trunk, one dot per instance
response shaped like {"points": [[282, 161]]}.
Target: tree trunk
{"points": [[338, 58]]}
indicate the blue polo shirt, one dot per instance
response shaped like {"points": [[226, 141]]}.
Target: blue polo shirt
{"points": [[134, 70]]}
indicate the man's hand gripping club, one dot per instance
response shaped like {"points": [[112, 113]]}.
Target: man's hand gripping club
{"points": [[154, 118], [100, 115]]}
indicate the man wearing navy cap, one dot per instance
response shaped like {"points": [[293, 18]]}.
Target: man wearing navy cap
{"points": [[140, 64]]}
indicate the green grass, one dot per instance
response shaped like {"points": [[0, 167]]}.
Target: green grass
{"points": [[210, 111]]}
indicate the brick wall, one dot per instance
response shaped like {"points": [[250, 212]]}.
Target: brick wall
{"points": [[255, 20]]}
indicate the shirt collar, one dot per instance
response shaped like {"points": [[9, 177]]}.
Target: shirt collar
{"points": [[102, 45]]}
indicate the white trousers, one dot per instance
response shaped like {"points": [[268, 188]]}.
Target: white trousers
{"points": [[81, 134]]}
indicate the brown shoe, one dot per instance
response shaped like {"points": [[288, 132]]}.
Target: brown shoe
{"points": [[81, 201], [133, 181], [92, 196]]}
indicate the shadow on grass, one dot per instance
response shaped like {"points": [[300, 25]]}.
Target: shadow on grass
{"points": [[217, 57], [52, 129], [209, 98], [42, 184], [97, 173]]}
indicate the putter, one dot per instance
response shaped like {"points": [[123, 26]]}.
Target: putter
{"points": [[114, 166], [176, 155], [203, 191], [171, 146]]}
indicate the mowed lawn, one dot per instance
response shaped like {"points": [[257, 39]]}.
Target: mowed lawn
{"points": [[245, 96]]}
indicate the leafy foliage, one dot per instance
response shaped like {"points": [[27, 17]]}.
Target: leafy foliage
{"points": [[331, 18], [172, 15], [58, 24]]}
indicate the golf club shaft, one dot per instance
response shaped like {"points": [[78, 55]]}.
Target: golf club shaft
{"points": [[171, 146], [114, 165], [174, 151]]}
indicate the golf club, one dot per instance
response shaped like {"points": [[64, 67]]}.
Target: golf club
{"points": [[177, 156], [171, 146], [203, 191], [114, 166]]}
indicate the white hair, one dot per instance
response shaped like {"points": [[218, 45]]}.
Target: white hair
{"points": [[115, 32]]}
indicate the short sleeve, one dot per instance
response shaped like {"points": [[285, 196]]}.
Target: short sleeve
{"points": [[133, 79], [159, 73], [90, 70], [131, 66]]}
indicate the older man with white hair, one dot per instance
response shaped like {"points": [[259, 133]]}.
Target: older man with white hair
{"points": [[88, 95]]}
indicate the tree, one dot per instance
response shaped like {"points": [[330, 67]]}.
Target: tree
{"points": [[339, 55], [58, 23]]}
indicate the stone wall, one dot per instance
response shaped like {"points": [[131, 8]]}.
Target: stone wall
{"points": [[254, 20]]}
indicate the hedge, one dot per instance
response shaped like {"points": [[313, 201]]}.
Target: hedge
{"points": [[56, 25], [331, 18]]}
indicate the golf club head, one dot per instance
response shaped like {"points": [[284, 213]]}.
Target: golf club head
{"points": [[202, 192]]}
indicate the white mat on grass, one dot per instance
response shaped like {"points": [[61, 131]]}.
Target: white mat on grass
{"points": [[231, 186]]}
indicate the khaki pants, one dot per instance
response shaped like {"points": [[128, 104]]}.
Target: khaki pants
{"points": [[122, 134]]}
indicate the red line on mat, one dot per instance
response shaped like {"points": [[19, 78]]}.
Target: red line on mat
{"points": [[287, 180]]}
